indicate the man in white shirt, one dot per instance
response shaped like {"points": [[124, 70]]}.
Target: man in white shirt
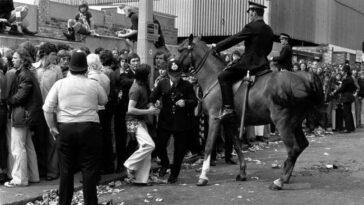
{"points": [[75, 101]]}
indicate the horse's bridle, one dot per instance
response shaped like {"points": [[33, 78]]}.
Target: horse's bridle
{"points": [[193, 70]]}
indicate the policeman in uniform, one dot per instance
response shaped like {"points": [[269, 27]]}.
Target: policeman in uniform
{"points": [[178, 101], [258, 41], [284, 60], [346, 90]]}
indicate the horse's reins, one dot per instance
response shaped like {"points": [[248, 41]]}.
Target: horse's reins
{"points": [[196, 69]]}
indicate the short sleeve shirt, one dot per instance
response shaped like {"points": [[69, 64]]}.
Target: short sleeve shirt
{"points": [[139, 94], [75, 99]]}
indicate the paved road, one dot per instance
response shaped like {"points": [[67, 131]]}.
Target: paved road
{"points": [[312, 182]]}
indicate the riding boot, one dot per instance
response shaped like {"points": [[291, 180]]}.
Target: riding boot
{"points": [[228, 101]]}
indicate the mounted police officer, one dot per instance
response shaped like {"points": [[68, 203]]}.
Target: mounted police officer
{"points": [[258, 41]]}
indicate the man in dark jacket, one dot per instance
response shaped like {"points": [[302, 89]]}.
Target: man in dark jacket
{"points": [[121, 81], [178, 102], [284, 60], [258, 41], [346, 90]]}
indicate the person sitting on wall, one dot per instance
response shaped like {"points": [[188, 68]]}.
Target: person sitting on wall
{"points": [[81, 25], [14, 18]]}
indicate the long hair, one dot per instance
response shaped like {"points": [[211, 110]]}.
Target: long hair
{"points": [[142, 75], [25, 56], [30, 48]]}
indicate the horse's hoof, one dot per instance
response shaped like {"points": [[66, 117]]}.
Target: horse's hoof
{"points": [[275, 187], [240, 178], [202, 182]]}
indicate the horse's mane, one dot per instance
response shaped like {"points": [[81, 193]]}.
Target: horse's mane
{"points": [[205, 48]]}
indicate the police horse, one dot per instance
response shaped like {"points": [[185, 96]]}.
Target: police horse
{"points": [[283, 98]]}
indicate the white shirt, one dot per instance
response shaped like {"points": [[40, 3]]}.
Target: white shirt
{"points": [[102, 79], [75, 99]]}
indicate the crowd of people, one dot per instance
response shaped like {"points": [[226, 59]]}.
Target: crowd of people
{"points": [[105, 95], [343, 87], [101, 116], [64, 110]]}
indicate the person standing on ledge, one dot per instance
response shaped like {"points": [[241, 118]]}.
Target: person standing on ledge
{"points": [[132, 33]]}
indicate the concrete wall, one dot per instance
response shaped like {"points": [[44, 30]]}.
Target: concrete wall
{"points": [[106, 21], [91, 42]]}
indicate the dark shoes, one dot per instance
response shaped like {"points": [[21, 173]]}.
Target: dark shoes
{"points": [[49, 178], [261, 138], [14, 30], [346, 131], [3, 178], [230, 161], [162, 171], [172, 180], [213, 163], [69, 35], [226, 113]]}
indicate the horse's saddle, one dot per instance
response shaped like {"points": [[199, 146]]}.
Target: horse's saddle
{"points": [[251, 79]]}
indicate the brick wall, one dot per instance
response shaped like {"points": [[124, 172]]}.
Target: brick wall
{"points": [[107, 22]]}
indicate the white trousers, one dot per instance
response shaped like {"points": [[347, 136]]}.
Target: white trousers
{"points": [[140, 160], [25, 167]]}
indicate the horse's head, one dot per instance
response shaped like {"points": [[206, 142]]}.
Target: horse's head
{"points": [[192, 52]]}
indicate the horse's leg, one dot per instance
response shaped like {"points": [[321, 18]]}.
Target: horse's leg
{"points": [[211, 138], [230, 130], [295, 142], [301, 144]]}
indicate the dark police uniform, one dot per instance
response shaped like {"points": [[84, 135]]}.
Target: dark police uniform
{"points": [[347, 89], [174, 120], [284, 60], [258, 41]]}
